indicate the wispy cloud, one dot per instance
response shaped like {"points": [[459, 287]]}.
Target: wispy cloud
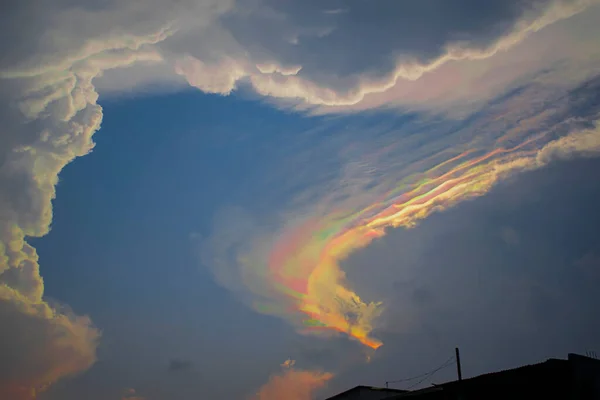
{"points": [[292, 269]]}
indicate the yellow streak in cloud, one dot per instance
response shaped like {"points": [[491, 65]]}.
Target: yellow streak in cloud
{"points": [[304, 264]]}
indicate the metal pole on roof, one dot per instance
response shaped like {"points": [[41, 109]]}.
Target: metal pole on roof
{"points": [[458, 369]]}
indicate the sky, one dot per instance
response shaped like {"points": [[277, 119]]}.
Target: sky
{"points": [[265, 200]]}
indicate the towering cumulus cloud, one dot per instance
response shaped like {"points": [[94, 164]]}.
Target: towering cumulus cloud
{"points": [[50, 114], [48, 106]]}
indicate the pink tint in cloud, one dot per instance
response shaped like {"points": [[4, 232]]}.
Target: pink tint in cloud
{"points": [[293, 384]]}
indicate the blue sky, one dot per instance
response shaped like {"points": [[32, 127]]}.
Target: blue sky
{"points": [[129, 220], [263, 200]]}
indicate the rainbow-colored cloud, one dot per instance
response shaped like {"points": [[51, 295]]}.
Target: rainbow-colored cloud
{"points": [[296, 274]]}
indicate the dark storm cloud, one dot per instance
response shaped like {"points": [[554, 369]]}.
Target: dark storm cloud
{"points": [[334, 54], [373, 37]]}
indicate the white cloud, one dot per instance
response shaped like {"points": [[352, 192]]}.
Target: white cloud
{"points": [[49, 110], [580, 144], [220, 78], [274, 68]]}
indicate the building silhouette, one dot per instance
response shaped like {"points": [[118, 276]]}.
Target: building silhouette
{"points": [[367, 392], [576, 378]]}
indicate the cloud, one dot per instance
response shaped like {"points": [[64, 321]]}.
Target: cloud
{"points": [[385, 57], [282, 51], [580, 144], [130, 394], [452, 281], [289, 265], [293, 384], [50, 119], [41, 344], [49, 108], [180, 365], [390, 32], [461, 87], [219, 78]]}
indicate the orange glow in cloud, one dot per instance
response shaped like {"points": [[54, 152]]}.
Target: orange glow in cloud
{"points": [[292, 384], [294, 272], [17, 392], [303, 271]]}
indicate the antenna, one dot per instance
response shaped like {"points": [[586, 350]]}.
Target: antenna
{"points": [[591, 354], [458, 368]]}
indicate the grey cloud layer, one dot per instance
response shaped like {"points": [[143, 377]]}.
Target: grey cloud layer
{"points": [[337, 59], [373, 38], [299, 52]]}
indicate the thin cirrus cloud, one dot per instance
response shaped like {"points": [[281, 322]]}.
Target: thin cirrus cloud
{"points": [[293, 270], [49, 107]]}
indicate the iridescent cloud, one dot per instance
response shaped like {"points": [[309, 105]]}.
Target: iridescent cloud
{"points": [[296, 273], [303, 265]]}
